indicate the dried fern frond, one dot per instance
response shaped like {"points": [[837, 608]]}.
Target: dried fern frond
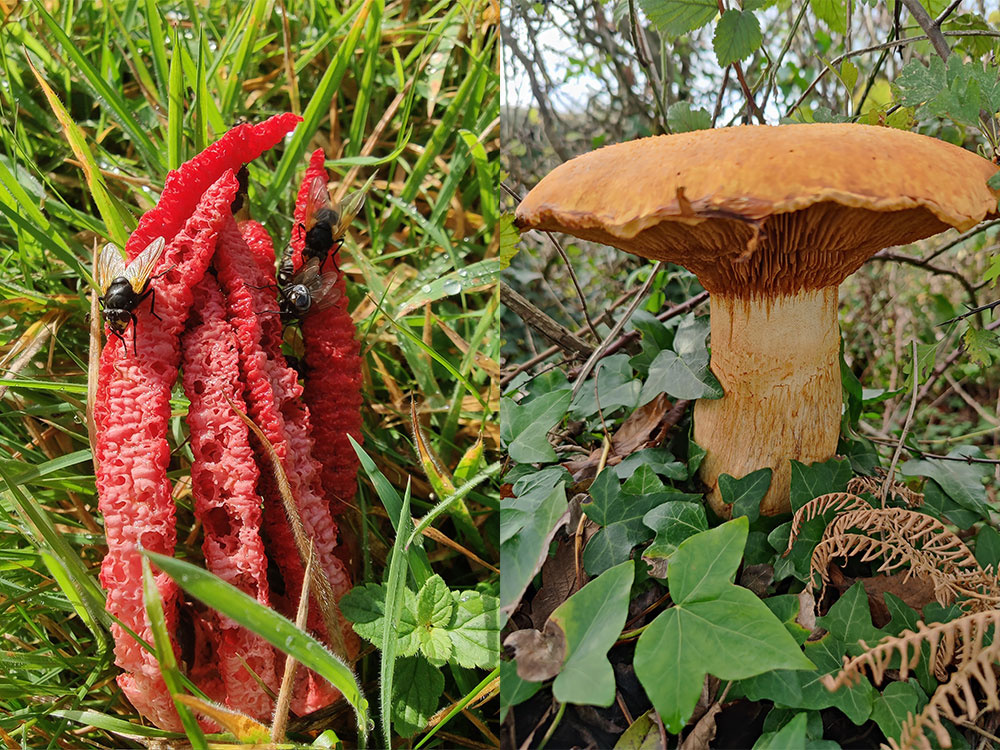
{"points": [[839, 501], [955, 701], [962, 638], [844, 544], [898, 490]]}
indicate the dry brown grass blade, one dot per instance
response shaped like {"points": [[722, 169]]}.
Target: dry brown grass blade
{"points": [[324, 595], [288, 678], [434, 535]]}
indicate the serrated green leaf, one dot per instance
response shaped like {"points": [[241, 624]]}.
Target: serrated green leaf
{"points": [[434, 604], [849, 75], [364, 607], [676, 17], [683, 119], [737, 36], [591, 620], [981, 344], [832, 12], [474, 629]]}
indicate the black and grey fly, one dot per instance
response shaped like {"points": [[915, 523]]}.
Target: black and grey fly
{"points": [[124, 287]]}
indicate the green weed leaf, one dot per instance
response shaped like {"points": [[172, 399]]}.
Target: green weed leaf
{"points": [[682, 119], [676, 17], [417, 688]]}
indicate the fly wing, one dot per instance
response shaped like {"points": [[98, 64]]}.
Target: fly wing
{"points": [[110, 265], [322, 287], [350, 207], [317, 198], [326, 294], [141, 268]]}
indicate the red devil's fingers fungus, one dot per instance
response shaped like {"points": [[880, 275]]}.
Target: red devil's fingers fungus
{"points": [[224, 484], [771, 220], [271, 390], [131, 412], [333, 373], [185, 185]]}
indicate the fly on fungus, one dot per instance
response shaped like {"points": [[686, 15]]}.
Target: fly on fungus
{"points": [[124, 287]]}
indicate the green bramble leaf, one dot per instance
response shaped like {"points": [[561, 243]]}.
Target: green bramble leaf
{"points": [[682, 119], [737, 36], [677, 17], [832, 12]]}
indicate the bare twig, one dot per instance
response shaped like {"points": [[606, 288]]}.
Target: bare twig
{"points": [[532, 316], [931, 27], [599, 351], [906, 426]]}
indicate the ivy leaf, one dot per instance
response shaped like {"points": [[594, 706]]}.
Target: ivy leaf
{"points": [[513, 690], [619, 511], [737, 36], [714, 627], [745, 494], [792, 736], [676, 17], [591, 620], [682, 119], [812, 480], [898, 700], [963, 482], [988, 547], [679, 378], [673, 522], [417, 688], [522, 553], [525, 427], [611, 388], [850, 618]]}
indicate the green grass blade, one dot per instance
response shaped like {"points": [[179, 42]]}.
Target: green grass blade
{"points": [[318, 108], [103, 90], [165, 655], [175, 105], [269, 625], [395, 582], [113, 724], [239, 62], [466, 700], [372, 55], [157, 45]]}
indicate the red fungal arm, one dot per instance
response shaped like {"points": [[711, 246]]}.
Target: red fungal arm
{"points": [[224, 483], [185, 185], [131, 412], [272, 394], [333, 376]]}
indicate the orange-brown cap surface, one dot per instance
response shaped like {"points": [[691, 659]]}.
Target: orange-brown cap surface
{"points": [[759, 210]]}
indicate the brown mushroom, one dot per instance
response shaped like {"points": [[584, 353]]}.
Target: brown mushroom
{"points": [[771, 220]]}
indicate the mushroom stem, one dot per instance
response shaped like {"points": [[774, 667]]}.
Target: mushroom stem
{"points": [[778, 360]]}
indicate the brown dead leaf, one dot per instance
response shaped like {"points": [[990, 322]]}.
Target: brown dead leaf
{"points": [[703, 732], [539, 654], [916, 591], [558, 583], [807, 610], [646, 427]]}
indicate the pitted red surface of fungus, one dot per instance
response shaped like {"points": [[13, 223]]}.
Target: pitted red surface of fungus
{"points": [[213, 323]]}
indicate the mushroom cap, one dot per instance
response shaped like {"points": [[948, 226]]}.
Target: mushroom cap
{"points": [[760, 210]]}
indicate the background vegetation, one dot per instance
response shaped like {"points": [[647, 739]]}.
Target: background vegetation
{"points": [[405, 91], [579, 75]]}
